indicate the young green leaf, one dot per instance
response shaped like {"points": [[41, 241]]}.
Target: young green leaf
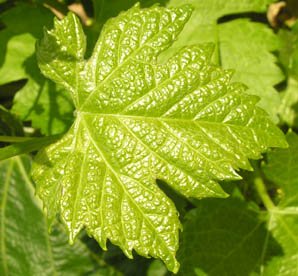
{"points": [[26, 248], [183, 122]]}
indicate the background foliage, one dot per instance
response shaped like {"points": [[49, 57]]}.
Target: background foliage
{"points": [[253, 232]]}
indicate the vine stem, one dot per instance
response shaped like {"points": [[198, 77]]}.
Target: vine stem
{"points": [[14, 139], [262, 191], [27, 146]]}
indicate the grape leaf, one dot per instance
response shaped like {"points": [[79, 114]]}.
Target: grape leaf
{"points": [[222, 237], [103, 10], [283, 224], [49, 108], [18, 39], [26, 247], [281, 168], [47, 105], [233, 237], [246, 51], [183, 122]]}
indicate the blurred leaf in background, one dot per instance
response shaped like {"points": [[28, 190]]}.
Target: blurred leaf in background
{"points": [[282, 169], [26, 246], [223, 237], [288, 56], [40, 100]]}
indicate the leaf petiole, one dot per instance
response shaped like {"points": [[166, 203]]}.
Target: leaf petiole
{"points": [[262, 191], [14, 139], [27, 146]]}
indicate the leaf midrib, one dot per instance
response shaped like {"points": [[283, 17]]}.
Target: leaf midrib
{"points": [[120, 117], [166, 119]]}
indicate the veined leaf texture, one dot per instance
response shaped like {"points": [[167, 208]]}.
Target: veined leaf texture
{"points": [[182, 121]]}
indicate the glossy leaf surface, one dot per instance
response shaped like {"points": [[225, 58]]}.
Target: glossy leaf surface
{"points": [[183, 122]]}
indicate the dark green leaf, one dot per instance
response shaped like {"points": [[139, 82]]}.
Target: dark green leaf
{"points": [[157, 268], [27, 249], [222, 237], [282, 169]]}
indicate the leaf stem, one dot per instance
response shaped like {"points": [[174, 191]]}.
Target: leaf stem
{"points": [[27, 146], [14, 139], [56, 7], [262, 191]]}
